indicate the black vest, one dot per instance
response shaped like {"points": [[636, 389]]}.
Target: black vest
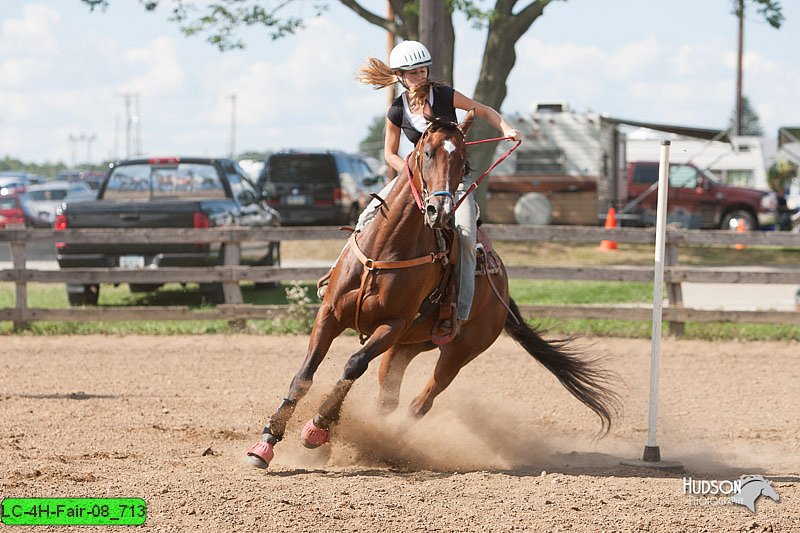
{"points": [[442, 108]]}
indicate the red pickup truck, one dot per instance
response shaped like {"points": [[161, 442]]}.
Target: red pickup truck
{"points": [[696, 200]]}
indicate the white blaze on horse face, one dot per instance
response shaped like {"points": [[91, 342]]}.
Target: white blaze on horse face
{"points": [[449, 147]]}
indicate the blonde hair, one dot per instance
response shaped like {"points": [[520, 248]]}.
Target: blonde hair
{"points": [[378, 74]]}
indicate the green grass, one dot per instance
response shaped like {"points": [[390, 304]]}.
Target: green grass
{"points": [[525, 292]]}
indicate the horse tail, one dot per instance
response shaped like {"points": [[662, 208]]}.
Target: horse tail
{"points": [[583, 378]]}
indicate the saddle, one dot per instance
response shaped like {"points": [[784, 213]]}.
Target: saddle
{"points": [[486, 264]]}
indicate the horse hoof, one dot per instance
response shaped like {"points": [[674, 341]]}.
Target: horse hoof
{"points": [[314, 437], [260, 454]]}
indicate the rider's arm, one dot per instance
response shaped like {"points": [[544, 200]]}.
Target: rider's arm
{"points": [[391, 144], [486, 113]]}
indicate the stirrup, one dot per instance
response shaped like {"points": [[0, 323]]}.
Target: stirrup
{"points": [[446, 327]]}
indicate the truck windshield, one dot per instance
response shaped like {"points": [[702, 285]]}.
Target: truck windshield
{"points": [[143, 182], [301, 168]]}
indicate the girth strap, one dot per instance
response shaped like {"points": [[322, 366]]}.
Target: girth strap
{"points": [[371, 265]]}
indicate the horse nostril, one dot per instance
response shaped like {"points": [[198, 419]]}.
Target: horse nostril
{"points": [[431, 211]]}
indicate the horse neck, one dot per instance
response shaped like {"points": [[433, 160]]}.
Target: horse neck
{"points": [[399, 230]]}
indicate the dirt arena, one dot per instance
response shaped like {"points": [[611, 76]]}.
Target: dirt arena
{"points": [[169, 419]]}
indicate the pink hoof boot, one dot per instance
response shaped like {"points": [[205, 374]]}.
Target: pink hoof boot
{"points": [[260, 454], [314, 437]]}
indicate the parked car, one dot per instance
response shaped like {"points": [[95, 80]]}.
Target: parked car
{"points": [[318, 187], [92, 178], [16, 181], [171, 192], [697, 200], [11, 211], [40, 202]]}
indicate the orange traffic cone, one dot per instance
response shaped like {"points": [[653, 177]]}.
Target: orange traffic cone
{"points": [[611, 222], [740, 228]]}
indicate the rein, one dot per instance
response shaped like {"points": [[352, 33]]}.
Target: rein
{"points": [[418, 198], [499, 160]]}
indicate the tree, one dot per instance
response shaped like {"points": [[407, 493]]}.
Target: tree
{"points": [[372, 144], [780, 174], [751, 123], [505, 23]]}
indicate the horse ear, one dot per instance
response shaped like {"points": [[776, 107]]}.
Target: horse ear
{"points": [[467, 122]]}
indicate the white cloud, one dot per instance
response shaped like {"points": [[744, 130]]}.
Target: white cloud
{"points": [[33, 33], [157, 66], [699, 58], [626, 62]]}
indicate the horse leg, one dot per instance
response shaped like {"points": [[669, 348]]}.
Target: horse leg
{"points": [[393, 367], [326, 328], [317, 430], [450, 362]]}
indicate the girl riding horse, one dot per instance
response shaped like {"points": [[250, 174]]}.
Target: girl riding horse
{"points": [[409, 65]]}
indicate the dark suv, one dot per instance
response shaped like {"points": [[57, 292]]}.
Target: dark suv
{"points": [[321, 187]]}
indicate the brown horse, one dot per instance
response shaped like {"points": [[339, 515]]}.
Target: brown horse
{"points": [[380, 285]]}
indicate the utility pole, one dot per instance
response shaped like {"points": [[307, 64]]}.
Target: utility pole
{"points": [[391, 40], [431, 33], [89, 140], [128, 124], [132, 120], [137, 119], [232, 151], [739, 118], [73, 141]]}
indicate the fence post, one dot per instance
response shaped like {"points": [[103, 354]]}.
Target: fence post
{"points": [[231, 289], [674, 291], [21, 289]]}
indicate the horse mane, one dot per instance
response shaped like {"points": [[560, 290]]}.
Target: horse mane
{"points": [[440, 123]]}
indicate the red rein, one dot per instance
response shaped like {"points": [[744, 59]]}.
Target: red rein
{"points": [[476, 182]]}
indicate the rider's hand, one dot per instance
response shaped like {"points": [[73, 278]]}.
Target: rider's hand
{"points": [[513, 134]]}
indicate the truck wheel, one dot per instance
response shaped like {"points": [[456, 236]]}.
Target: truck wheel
{"points": [[273, 258], [79, 295], [731, 220]]}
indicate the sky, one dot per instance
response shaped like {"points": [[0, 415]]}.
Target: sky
{"points": [[64, 74]]}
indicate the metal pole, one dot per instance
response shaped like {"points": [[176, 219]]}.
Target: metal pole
{"points": [[233, 126], [138, 125], [737, 126], [651, 451], [89, 140], [128, 124]]}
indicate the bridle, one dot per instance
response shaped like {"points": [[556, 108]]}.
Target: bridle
{"points": [[419, 150], [418, 165]]}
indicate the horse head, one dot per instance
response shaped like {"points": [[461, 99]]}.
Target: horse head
{"points": [[441, 163]]}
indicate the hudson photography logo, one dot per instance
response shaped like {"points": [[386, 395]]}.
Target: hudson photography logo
{"points": [[743, 491]]}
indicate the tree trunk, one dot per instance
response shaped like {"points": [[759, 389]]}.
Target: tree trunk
{"points": [[498, 60]]}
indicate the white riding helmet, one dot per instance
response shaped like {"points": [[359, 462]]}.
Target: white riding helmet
{"points": [[409, 55]]}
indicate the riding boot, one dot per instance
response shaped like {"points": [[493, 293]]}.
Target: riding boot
{"points": [[447, 325]]}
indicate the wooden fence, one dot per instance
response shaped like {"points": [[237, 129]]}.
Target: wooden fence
{"points": [[230, 273]]}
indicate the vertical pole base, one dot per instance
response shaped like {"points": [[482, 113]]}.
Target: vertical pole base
{"points": [[652, 454]]}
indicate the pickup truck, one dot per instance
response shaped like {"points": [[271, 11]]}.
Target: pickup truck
{"points": [[696, 199], [174, 192]]}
